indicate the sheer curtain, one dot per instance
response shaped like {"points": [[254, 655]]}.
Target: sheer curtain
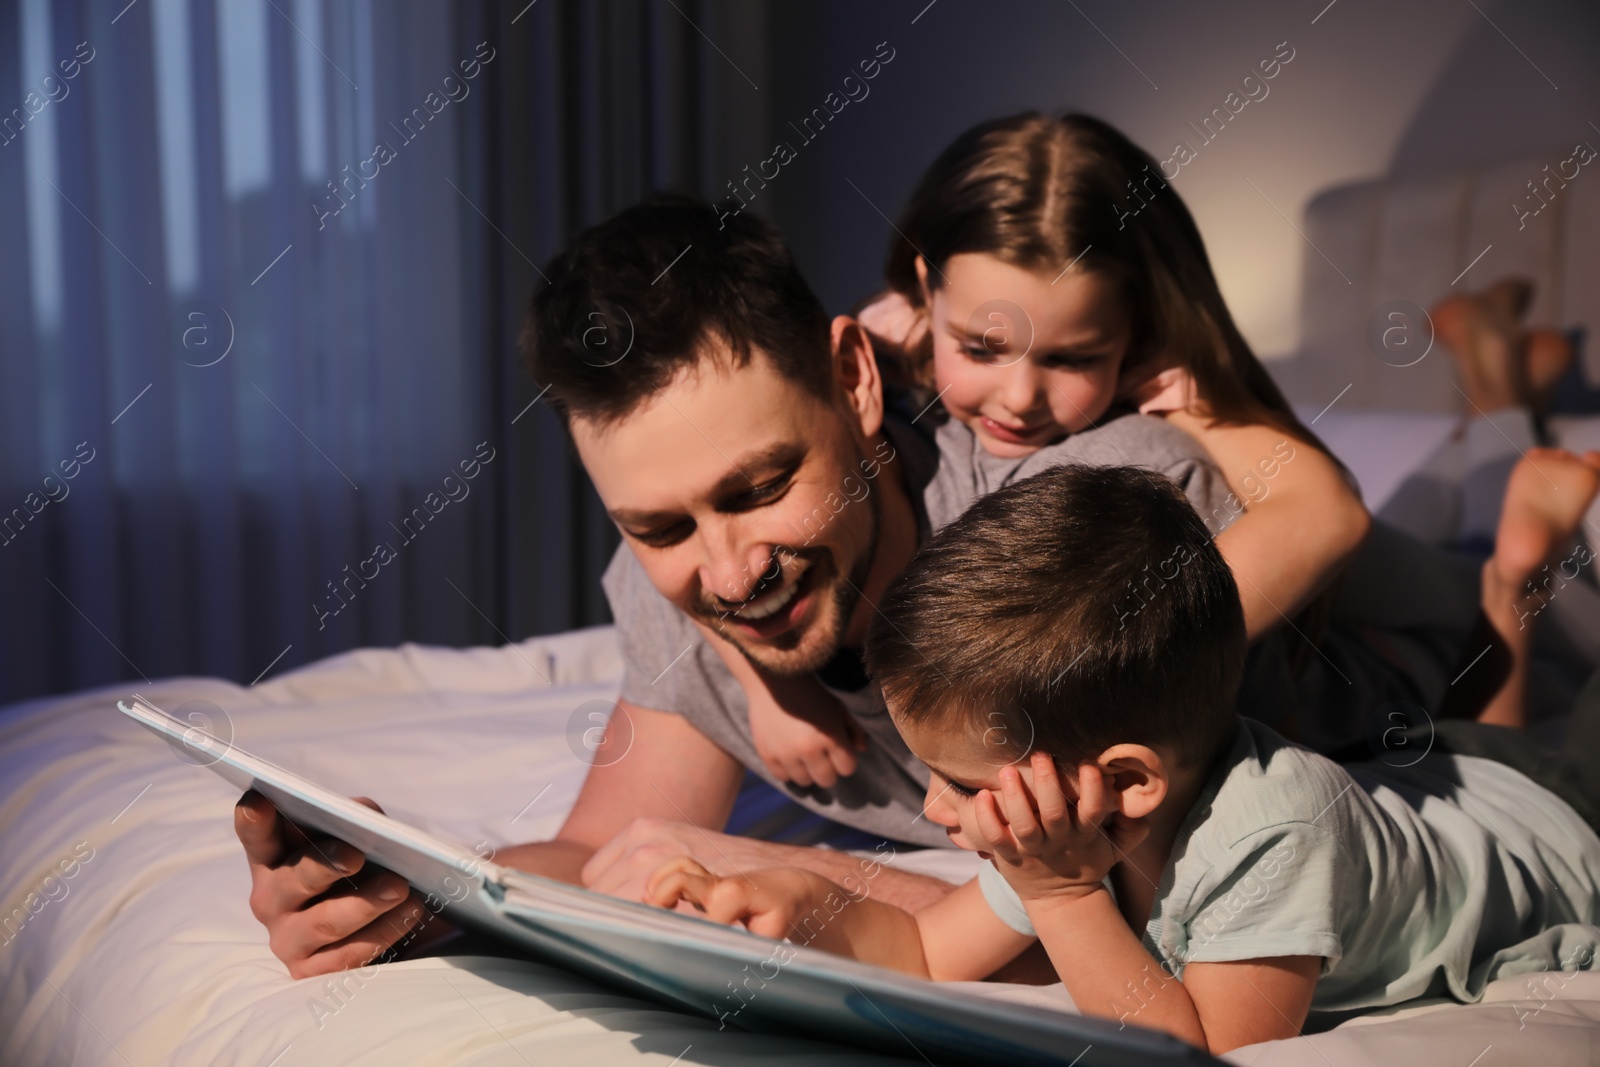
{"points": [[262, 264]]}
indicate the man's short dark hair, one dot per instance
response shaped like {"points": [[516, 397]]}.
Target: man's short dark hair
{"points": [[1078, 609], [632, 301]]}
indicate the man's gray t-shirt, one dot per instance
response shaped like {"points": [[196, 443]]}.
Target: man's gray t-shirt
{"points": [[669, 665]]}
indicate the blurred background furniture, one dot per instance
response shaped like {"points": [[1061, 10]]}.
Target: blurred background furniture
{"points": [[1424, 239]]}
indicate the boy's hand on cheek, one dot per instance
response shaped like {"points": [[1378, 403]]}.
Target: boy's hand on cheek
{"points": [[1045, 844]]}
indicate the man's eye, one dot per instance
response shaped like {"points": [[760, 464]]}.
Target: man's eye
{"points": [[767, 492], [665, 537]]}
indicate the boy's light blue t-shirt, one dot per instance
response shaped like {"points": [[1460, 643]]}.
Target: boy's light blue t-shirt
{"points": [[1431, 880]]}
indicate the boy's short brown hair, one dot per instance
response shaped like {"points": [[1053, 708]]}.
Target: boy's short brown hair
{"points": [[1078, 609]]}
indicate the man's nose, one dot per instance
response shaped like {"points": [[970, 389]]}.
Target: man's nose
{"points": [[735, 566]]}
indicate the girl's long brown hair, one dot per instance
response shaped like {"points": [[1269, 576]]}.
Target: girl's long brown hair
{"points": [[1039, 193]]}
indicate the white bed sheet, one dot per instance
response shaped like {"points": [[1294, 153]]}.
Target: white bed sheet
{"points": [[148, 954]]}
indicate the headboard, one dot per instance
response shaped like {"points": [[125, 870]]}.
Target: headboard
{"points": [[1409, 239]]}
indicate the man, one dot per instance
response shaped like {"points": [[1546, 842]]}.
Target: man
{"points": [[723, 418]]}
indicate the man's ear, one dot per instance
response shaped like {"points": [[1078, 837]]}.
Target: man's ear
{"points": [[1137, 778], [856, 368]]}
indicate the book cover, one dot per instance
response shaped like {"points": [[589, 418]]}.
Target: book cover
{"points": [[722, 972]]}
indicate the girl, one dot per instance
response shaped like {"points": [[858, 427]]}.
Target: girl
{"points": [[1044, 277], [1068, 229]]}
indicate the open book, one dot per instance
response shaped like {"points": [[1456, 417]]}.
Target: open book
{"points": [[691, 964]]}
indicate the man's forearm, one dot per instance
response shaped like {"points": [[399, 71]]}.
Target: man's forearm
{"points": [[436, 935], [561, 860]]}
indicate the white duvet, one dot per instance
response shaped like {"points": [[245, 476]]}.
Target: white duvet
{"points": [[130, 940]]}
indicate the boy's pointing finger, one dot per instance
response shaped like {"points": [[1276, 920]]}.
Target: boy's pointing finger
{"points": [[680, 878]]}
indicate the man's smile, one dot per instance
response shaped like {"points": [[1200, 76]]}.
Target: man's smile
{"points": [[769, 602], [782, 608]]}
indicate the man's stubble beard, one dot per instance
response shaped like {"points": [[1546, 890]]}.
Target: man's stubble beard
{"points": [[847, 596]]}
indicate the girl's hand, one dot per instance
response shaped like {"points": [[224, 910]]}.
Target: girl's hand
{"points": [[809, 738], [892, 319], [800, 730], [1045, 844], [1154, 390], [766, 902]]}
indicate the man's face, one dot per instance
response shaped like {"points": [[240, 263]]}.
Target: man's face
{"points": [[744, 498]]}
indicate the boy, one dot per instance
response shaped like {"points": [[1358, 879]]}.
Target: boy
{"points": [[1065, 658]]}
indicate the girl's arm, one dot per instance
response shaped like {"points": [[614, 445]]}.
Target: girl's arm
{"points": [[800, 730], [1302, 519]]}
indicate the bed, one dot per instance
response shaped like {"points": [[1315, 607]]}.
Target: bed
{"points": [[146, 953]]}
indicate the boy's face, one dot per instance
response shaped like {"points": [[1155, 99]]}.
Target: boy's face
{"points": [[1024, 359], [748, 501], [963, 762]]}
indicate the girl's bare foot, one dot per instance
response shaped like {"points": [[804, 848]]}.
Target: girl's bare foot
{"points": [[1534, 558], [1486, 347], [1547, 355], [1508, 299]]}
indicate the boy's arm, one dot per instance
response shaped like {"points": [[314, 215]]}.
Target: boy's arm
{"points": [[1302, 519], [958, 938], [624, 866], [963, 940], [1055, 854], [1217, 1006]]}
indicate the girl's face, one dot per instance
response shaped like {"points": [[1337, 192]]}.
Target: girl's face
{"points": [[1023, 359]]}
